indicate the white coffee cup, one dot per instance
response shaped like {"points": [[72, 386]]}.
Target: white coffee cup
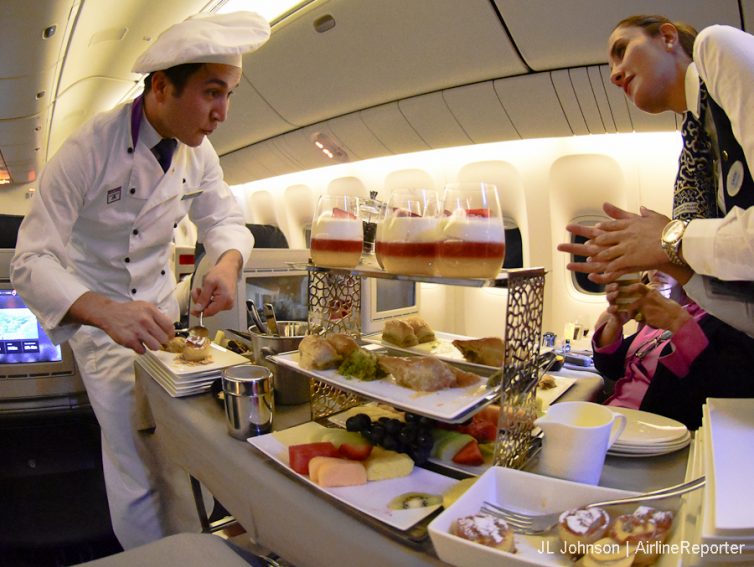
{"points": [[577, 436]]}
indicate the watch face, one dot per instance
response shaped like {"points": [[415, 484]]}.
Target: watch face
{"points": [[673, 231]]}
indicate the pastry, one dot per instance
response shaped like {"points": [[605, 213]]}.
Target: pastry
{"points": [[399, 333], [176, 345], [316, 353], [422, 330], [343, 344], [580, 527], [546, 382], [488, 351], [606, 552], [487, 530], [196, 348], [425, 373], [663, 520]]}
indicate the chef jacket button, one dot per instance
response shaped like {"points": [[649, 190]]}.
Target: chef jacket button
{"points": [[130, 150], [127, 260], [725, 155], [184, 180], [133, 291], [132, 190], [135, 231], [175, 225], [162, 272]]}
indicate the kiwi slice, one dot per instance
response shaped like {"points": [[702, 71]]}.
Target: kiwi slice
{"points": [[411, 500]]}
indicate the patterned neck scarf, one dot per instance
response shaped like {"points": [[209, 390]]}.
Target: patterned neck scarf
{"points": [[695, 192]]}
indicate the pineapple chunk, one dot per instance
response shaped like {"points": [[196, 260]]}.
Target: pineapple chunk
{"points": [[383, 464]]}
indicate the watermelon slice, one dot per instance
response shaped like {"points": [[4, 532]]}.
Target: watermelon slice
{"points": [[300, 455]]}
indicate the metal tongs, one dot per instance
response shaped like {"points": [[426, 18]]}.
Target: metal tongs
{"points": [[261, 327], [272, 322]]}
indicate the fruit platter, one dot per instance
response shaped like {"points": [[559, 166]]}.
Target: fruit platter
{"points": [[383, 484]]}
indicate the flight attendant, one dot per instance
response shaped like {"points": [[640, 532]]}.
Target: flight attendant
{"points": [[92, 260], [663, 65]]}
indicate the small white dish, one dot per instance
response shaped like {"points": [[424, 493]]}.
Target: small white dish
{"points": [[522, 491], [644, 428]]}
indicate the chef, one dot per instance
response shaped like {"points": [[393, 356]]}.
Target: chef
{"points": [[92, 260]]}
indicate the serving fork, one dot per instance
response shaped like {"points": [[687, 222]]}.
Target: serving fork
{"points": [[524, 523]]}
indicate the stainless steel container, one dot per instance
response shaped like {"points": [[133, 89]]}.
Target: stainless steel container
{"points": [[291, 387], [249, 400]]}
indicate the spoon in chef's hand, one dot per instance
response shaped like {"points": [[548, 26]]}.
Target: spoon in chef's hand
{"points": [[199, 330]]}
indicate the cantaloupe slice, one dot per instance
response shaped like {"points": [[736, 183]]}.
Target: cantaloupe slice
{"points": [[341, 472], [316, 463]]}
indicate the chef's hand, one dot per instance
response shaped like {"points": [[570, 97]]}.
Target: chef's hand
{"points": [[137, 325], [218, 291]]}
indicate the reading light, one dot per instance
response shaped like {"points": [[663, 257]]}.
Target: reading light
{"points": [[329, 148]]}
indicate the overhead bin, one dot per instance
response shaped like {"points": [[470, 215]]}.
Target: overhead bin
{"points": [[392, 129], [30, 20], [412, 47], [251, 119], [356, 137], [76, 105], [479, 112], [433, 122], [243, 166], [533, 106], [538, 28]]}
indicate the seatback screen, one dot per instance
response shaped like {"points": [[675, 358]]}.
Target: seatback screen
{"points": [[22, 340]]}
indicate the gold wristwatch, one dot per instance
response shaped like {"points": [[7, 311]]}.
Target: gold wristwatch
{"points": [[671, 240]]}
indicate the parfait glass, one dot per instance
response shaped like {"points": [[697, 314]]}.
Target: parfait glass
{"points": [[473, 234], [408, 232], [337, 233]]}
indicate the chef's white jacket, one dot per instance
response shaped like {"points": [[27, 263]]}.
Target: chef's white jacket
{"points": [[104, 215]]}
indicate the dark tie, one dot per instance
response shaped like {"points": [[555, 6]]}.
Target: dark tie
{"points": [[695, 192], [164, 150]]}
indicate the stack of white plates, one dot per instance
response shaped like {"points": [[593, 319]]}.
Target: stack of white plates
{"points": [[648, 434], [727, 513], [182, 378]]}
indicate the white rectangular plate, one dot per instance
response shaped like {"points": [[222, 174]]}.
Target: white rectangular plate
{"points": [[562, 384], [442, 347], [524, 492], [730, 431], [451, 405], [221, 358], [373, 497]]}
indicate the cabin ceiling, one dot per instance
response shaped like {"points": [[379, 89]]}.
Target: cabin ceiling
{"points": [[388, 77]]}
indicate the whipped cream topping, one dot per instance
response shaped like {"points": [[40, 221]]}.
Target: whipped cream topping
{"points": [[196, 341], [485, 526], [458, 226], [328, 227], [409, 229], [584, 520]]}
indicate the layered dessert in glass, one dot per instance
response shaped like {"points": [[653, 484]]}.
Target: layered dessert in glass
{"points": [[337, 233], [472, 233]]}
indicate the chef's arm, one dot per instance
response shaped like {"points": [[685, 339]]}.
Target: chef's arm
{"points": [[137, 325], [219, 286]]}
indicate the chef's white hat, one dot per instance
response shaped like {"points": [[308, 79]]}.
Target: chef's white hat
{"points": [[214, 38]]}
